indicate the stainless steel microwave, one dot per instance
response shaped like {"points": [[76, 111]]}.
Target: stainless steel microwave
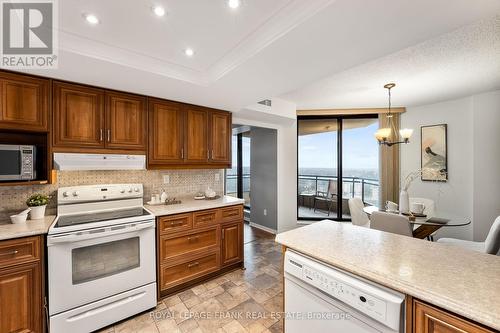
{"points": [[17, 162]]}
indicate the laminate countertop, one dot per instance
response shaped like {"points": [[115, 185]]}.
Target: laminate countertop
{"points": [[30, 228], [460, 281], [190, 205]]}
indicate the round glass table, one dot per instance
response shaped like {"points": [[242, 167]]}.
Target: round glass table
{"points": [[424, 227]]}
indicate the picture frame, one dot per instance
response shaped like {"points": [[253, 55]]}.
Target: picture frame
{"points": [[434, 152]]}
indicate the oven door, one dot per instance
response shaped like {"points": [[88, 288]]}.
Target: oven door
{"points": [[89, 265]]}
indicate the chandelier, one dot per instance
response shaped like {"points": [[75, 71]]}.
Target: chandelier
{"points": [[383, 134]]}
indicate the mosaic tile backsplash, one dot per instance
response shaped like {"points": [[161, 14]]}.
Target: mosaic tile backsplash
{"points": [[182, 183]]}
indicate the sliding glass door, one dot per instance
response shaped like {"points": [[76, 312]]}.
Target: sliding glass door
{"points": [[337, 160]]}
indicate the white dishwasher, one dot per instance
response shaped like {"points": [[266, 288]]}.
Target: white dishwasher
{"points": [[320, 299]]}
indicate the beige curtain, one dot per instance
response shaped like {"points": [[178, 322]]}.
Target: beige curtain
{"points": [[389, 164]]}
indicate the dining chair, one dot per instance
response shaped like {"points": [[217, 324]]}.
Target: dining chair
{"points": [[491, 245], [358, 216], [394, 223], [430, 207]]}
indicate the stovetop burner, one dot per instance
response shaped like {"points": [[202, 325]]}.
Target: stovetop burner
{"points": [[71, 220]]}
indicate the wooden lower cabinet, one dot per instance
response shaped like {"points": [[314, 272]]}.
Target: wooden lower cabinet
{"points": [[21, 287], [429, 319], [232, 243], [197, 245]]}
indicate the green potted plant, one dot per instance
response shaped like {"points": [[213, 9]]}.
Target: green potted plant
{"points": [[37, 202]]}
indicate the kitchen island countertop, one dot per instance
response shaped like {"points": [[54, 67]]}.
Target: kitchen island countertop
{"points": [[458, 280]]}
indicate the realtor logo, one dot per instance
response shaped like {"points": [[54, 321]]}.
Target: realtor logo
{"points": [[29, 34]]}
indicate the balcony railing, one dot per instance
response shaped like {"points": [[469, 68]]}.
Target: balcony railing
{"points": [[232, 186], [365, 188]]}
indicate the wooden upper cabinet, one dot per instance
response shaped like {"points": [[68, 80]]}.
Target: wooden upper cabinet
{"points": [[220, 137], [24, 102], [196, 134], [166, 133], [78, 116], [126, 121]]}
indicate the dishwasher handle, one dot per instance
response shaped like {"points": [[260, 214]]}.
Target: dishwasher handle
{"points": [[99, 233]]}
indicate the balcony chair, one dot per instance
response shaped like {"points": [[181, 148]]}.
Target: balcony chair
{"points": [[394, 223], [491, 245], [329, 197], [358, 216]]}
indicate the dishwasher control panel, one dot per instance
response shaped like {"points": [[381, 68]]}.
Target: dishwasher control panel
{"points": [[345, 292], [375, 301]]}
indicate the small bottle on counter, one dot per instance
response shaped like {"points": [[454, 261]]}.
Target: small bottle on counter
{"points": [[163, 196]]}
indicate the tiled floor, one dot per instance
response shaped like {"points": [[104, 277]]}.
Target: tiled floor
{"points": [[239, 301]]}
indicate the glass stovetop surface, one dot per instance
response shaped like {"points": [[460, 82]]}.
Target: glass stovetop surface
{"points": [[70, 220]]}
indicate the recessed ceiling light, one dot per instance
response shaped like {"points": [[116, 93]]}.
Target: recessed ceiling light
{"points": [[233, 4], [189, 52], [159, 11], [91, 18]]}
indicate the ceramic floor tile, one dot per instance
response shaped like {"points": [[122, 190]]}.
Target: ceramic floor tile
{"points": [[239, 301]]}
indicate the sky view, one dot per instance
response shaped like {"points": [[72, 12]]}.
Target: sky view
{"points": [[320, 150]]}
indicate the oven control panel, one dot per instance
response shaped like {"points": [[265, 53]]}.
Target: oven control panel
{"points": [[95, 193]]}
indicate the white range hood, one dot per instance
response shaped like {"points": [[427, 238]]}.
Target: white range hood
{"points": [[66, 161]]}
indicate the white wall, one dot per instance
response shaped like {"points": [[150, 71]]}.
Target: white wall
{"points": [[470, 128], [287, 169], [486, 146]]}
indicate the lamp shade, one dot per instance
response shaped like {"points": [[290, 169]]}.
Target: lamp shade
{"points": [[383, 133], [406, 133]]}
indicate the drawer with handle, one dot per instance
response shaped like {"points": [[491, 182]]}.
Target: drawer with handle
{"points": [[233, 213], [19, 251], [186, 271], [175, 223], [205, 217], [174, 246]]}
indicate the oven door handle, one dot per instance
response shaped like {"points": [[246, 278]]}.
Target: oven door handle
{"points": [[99, 233]]}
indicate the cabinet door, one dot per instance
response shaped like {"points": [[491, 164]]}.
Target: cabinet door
{"points": [[126, 121], [232, 243], [166, 133], [24, 102], [428, 319], [78, 116], [220, 137], [196, 135], [20, 299]]}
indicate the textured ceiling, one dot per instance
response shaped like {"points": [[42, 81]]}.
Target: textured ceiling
{"points": [[461, 63]]}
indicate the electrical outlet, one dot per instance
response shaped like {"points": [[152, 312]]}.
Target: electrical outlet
{"points": [[217, 177], [265, 212], [166, 179]]}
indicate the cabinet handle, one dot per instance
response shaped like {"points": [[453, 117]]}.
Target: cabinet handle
{"points": [[9, 253], [182, 153], [192, 238], [212, 155], [100, 135], [193, 264], [109, 135], [176, 222]]}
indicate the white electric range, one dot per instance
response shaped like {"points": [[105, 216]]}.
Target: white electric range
{"points": [[101, 257]]}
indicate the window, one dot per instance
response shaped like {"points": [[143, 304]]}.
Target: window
{"points": [[238, 177], [333, 148]]}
